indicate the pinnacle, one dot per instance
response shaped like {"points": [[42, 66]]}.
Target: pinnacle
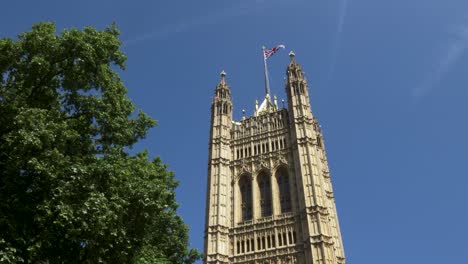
{"points": [[223, 75]]}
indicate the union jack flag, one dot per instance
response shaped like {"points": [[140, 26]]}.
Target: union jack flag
{"points": [[267, 53]]}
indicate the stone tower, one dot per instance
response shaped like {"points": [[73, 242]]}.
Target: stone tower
{"points": [[269, 195]]}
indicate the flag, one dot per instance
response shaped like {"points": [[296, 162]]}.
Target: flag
{"points": [[267, 53]]}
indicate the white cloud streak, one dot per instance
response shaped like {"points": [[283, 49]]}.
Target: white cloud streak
{"points": [[243, 8], [337, 38], [453, 51], [186, 25]]}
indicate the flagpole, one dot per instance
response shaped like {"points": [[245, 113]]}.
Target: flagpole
{"points": [[267, 81]]}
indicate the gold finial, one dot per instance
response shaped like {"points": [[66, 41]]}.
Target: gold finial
{"points": [[223, 73], [292, 54]]}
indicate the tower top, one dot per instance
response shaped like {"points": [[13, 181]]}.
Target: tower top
{"points": [[223, 75], [293, 65], [222, 83], [292, 54]]}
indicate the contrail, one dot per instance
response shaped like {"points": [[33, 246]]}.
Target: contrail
{"points": [[452, 53], [186, 25], [242, 9], [337, 38]]}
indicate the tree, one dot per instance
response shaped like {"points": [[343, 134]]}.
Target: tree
{"points": [[70, 192]]}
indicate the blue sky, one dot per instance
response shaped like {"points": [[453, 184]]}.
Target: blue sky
{"points": [[388, 82]]}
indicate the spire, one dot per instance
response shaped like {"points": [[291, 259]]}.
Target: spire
{"points": [[223, 75], [222, 88], [296, 89], [222, 104], [293, 64], [294, 69]]}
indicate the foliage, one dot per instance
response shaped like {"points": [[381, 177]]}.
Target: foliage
{"points": [[69, 190]]}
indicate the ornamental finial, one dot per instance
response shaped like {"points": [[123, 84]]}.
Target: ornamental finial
{"points": [[223, 75]]}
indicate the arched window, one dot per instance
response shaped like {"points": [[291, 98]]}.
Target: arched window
{"points": [[283, 186], [245, 185], [264, 185]]}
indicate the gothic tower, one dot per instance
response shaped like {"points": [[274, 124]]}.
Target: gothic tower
{"points": [[269, 195]]}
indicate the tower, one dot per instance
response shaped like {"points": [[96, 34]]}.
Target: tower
{"points": [[269, 195]]}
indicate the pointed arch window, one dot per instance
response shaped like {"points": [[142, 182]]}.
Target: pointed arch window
{"points": [[245, 185], [264, 185], [283, 186]]}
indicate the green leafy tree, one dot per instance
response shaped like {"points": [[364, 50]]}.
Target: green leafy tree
{"points": [[69, 190]]}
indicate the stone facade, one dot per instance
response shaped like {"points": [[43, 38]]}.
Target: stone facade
{"points": [[269, 194]]}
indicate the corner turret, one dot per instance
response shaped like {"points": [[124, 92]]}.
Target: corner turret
{"points": [[297, 90], [218, 219], [222, 104]]}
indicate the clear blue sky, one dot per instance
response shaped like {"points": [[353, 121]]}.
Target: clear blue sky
{"points": [[388, 82]]}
